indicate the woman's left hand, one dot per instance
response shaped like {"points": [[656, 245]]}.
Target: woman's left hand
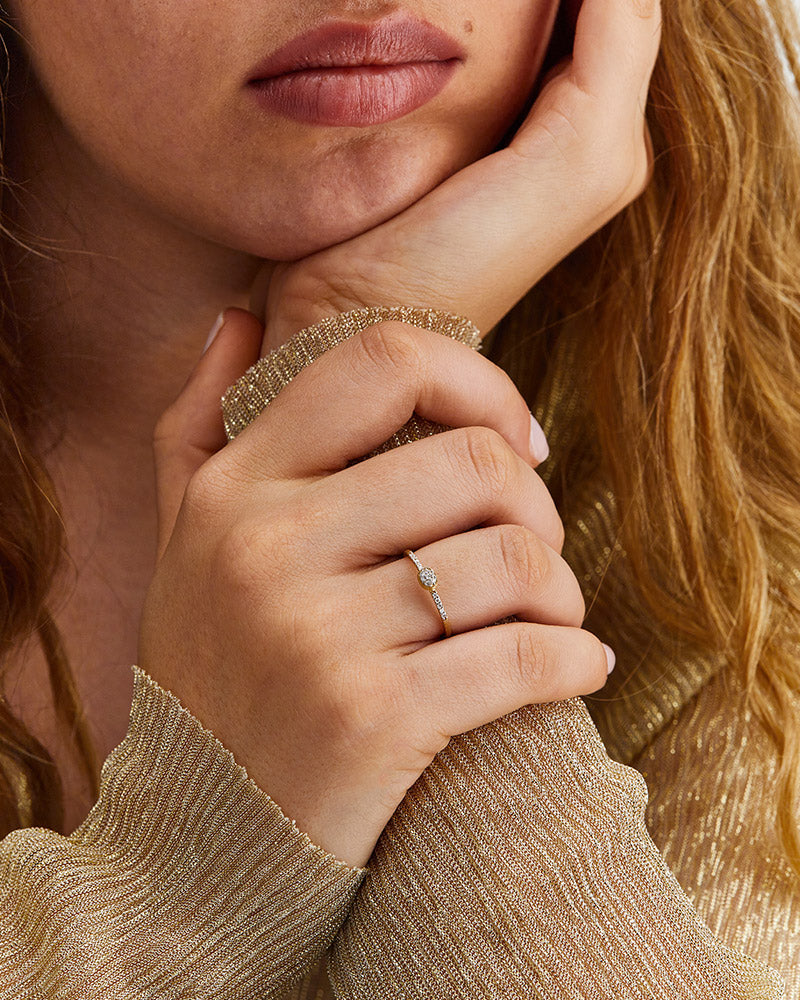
{"points": [[479, 241]]}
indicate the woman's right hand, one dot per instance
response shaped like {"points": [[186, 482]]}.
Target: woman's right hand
{"points": [[283, 613]]}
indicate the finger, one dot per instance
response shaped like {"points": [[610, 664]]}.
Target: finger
{"points": [[352, 398], [468, 680], [191, 430], [428, 490], [616, 43], [481, 577]]}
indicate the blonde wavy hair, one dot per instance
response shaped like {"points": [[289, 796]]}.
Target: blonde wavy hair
{"points": [[696, 405]]}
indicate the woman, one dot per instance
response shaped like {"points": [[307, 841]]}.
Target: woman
{"points": [[163, 154]]}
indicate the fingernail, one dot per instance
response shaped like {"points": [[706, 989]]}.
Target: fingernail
{"points": [[610, 656], [215, 330], [540, 449]]}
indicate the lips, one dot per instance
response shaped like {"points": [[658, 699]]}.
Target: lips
{"points": [[356, 74]]}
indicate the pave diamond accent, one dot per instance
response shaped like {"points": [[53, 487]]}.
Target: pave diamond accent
{"points": [[427, 578]]}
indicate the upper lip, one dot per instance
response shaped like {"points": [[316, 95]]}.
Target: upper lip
{"points": [[389, 42]]}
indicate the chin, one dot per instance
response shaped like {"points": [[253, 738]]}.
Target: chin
{"points": [[346, 193], [317, 227]]}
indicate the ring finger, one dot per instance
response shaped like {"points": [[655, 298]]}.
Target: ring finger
{"points": [[482, 576]]}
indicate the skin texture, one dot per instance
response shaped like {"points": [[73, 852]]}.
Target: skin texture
{"points": [[166, 188], [154, 95], [174, 200]]}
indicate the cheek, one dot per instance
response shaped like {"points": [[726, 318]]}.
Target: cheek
{"points": [[121, 75], [513, 37]]}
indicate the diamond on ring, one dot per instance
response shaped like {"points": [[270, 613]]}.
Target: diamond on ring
{"points": [[427, 578]]}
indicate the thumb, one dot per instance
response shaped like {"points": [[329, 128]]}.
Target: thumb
{"points": [[191, 429]]}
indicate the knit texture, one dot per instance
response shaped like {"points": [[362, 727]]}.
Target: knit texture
{"points": [[185, 881]]}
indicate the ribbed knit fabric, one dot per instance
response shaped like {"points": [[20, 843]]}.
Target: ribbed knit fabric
{"points": [[185, 881], [519, 865]]}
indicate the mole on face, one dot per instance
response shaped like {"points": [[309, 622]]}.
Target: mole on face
{"points": [[469, 27]]}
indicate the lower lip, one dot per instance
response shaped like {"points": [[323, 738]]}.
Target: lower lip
{"points": [[354, 95]]}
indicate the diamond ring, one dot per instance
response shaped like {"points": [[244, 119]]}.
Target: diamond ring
{"points": [[427, 580]]}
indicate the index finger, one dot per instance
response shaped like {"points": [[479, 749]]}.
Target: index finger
{"points": [[352, 398], [616, 45]]}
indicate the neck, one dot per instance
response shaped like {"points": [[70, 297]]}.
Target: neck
{"points": [[113, 319]]}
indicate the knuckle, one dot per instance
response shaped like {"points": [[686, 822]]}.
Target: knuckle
{"points": [[523, 558], [392, 350], [482, 454], [204, 490], [530, 658]]}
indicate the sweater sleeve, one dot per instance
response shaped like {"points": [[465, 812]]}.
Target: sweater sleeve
{"points": [[519, 864], [185, 880]]}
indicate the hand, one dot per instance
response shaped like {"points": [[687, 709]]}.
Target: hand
{"points": [[478, 242], [293, 630]]}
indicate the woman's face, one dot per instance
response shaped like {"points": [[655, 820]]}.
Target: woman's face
{"points": [[159, 95]]}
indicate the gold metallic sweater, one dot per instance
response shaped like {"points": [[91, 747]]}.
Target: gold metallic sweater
{"points": [[518, 866]]}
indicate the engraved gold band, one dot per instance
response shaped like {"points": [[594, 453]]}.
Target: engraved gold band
{"points": [[427, 580]]}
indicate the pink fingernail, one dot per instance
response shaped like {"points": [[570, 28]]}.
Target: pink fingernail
{"points": [[540, 449], [611, 656]]}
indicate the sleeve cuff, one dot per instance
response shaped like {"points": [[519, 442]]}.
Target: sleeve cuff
{"points": [[185, 874]]}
